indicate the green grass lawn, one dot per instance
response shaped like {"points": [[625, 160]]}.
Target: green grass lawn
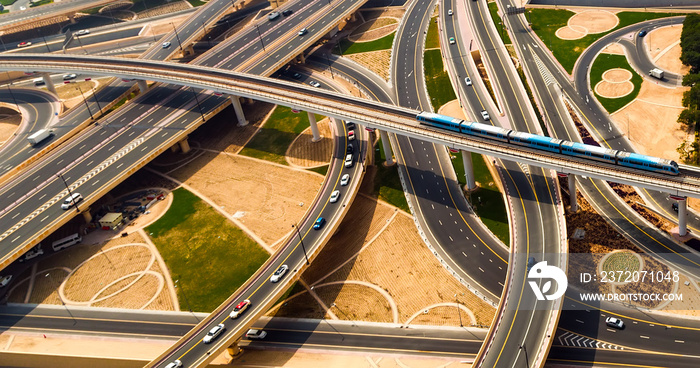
{"points": [[196, 3], [323, 170], [387, 185], [608, 61], [208, 257], [545, 23], [39, 3], [7, 2], [436, 79], [273, 139], [349, 47], [493, 9], [487, 201], [432, 39]]}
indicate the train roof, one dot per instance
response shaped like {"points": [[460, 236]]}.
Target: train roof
{"points": [[592, 148], [637, 156], [435, 116], [535, 137], [489, 128]]}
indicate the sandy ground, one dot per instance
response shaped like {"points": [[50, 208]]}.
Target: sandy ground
{"points": [[453, 109], [267, 198], [690, 305], [616, 83], [376, 61], [614, 48], [588, 21], [303, 152], [665, 50], [396, 261], [8, 126], [71, 96], [374, 29], [650, 120], [299, 359]]}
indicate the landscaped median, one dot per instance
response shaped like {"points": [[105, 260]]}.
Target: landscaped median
{"points": [[614, 81]]}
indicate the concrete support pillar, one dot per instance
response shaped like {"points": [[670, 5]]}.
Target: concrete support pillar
{"points": [[353, 17], [468, 169], [71, 18], [174, 148], [572, 193], [49, 83], [234, 350], [314, 127], [386, 144], [236, 102], [184, 145], [301, 58], [143, 86], [87, 216], [682, 217]]}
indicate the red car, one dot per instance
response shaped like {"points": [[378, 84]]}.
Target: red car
{"points": [[240, 308], [24, 44]]}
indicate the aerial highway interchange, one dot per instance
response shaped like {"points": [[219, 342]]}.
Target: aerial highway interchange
{"points": [[92, 151]]}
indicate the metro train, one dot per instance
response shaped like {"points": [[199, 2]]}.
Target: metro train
{"points": [[615, 157]]}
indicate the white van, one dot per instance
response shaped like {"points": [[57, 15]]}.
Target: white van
{"points": [[66, 242], [39, 82], [71, 200]]}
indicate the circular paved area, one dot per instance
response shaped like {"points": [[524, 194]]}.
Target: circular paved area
{"points": [[616, 83]]}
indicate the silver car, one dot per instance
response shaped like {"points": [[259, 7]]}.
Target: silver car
{"points": [[214, 333], [279, 273], [334, 196], [344, 180]]}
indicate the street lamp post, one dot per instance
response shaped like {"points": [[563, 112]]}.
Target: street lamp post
{"points": [[459, 312], [527, 360], [328, 60], [257, 28], [198, 105], [95, 95], [84, 100], [178, 38], [69, 193], [301, 240]]}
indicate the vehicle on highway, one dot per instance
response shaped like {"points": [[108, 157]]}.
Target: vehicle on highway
{"points": [[214, 333], [468, 81], [69, 76], [449, 12], [83, 32], [4, 280], [274, 15], [344, 180], [674, 207], [642, 33], [39, 136], [296, 75], [66, 242], [240, 308], [255, 334], [334, 196], [22, 8], [452, 41], [313, 83], [33, 253], [485, 115], [175, 364], [303, 31], [166, 44], [287, 12], [24, 44], [351, 135], [279, 273], [71, 201], [615, 322], [350, 148], [318, 224], [350, 125], [39, 82], [348, 160], [531, 263], [542, 143]]}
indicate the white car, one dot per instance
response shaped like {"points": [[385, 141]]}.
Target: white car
{"points": [[485, 115], [255, 334], [33, 253], [468, 81], [166, 44], [83, 32], [274, 15], [313, 83], [303, 31], [614, 322], [5, 280], [351, 135], [348, 160], [344, 180], [71, 200], [214, 333], [69, 76], [175, 364], [279, 273], [334, 196], [449, 12]]}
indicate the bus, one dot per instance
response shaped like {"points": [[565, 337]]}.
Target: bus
{"points": [[66, 242]]}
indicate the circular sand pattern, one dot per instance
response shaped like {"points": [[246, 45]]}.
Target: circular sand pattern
{"points": [[616, 83], [587, 22]]}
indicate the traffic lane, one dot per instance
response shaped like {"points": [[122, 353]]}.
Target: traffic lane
{"points": [[616, 358], [377, 90]]}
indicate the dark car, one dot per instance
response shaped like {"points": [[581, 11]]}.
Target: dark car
{"points": [[296, 75], [530, 263], [350, 149], [318, 225], [642, 33], [674, 207], [287, 12], [350, 125]]}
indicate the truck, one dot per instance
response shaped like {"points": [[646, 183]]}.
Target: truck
{"points": [[657, 73], [39, 136]]}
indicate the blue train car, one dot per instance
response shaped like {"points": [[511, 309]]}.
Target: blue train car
{"points": [[535, 141], [587, 151], [439, 121], [647, 163], [485, 131]]}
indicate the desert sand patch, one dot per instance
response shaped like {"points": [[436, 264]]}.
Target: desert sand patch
{"points": [[613, 90], [267, 198], [651, 120], [594, 21], [374, 29], [617, 75], [614, 48], [376, 61], [663, 45], [8, 127], [569, 33], [304, 152]]}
